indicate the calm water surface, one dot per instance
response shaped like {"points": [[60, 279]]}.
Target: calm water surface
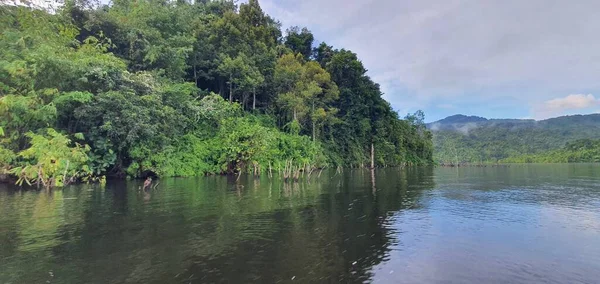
{"points": [[523, 224]]}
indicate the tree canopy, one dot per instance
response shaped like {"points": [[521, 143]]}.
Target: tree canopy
{"points": [[182, 89]]}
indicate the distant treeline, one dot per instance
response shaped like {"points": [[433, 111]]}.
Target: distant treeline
{"points": [[476, 140], [580, 151], [176, 88]]}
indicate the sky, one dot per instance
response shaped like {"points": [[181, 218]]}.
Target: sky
{"points": [[497, 59]]}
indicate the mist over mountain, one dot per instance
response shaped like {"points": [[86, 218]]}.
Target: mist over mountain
{"points": [[476, 139]]}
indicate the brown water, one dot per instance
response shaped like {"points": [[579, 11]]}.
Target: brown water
{"points": [[523, 224]]}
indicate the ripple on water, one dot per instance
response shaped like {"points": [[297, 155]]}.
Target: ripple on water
{"points": [[535, 224]]}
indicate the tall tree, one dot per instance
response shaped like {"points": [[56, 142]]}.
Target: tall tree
{"points": [[304, 90], [323, 54], [300, 41], [133, 81]]}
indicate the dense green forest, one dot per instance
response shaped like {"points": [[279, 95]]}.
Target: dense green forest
{"points": [[468, 139], [579, 151], [175, 88]]}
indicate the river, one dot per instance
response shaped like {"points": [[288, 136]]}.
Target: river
{"points": [[518, 224]]}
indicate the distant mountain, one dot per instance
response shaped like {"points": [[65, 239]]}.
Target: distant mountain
{"points": [[475, 139], [459, 118]]}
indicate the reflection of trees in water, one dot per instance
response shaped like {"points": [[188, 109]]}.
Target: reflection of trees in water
{"points": [[338, 235], [34, 226], [216, 229]]}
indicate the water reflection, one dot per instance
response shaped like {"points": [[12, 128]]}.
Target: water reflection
{"points": [[523, 224], [214, 229], [412, 225]]}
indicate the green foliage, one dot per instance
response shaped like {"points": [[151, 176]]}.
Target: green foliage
{"points": [[300, 41], [240, 143], [579, 151], [182, 89], [305, 93], [460, 139], [6, 158], [190, 156], [52, 161], [364, 118]]}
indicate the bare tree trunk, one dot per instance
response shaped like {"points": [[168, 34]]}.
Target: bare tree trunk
{"points": [[253, 98], [244, 100], [372, 156], [373, 188]]}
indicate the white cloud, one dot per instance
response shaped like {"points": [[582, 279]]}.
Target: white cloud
{"points": [[452, 49], [35, 3], [560, 106]]}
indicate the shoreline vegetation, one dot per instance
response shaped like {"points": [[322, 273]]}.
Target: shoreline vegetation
{"points": [[180, 89], [477, 140], [578, 151]]}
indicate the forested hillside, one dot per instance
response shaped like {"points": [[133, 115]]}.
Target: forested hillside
{"points": [[467, 139], [579, 151], [183, 89]]}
